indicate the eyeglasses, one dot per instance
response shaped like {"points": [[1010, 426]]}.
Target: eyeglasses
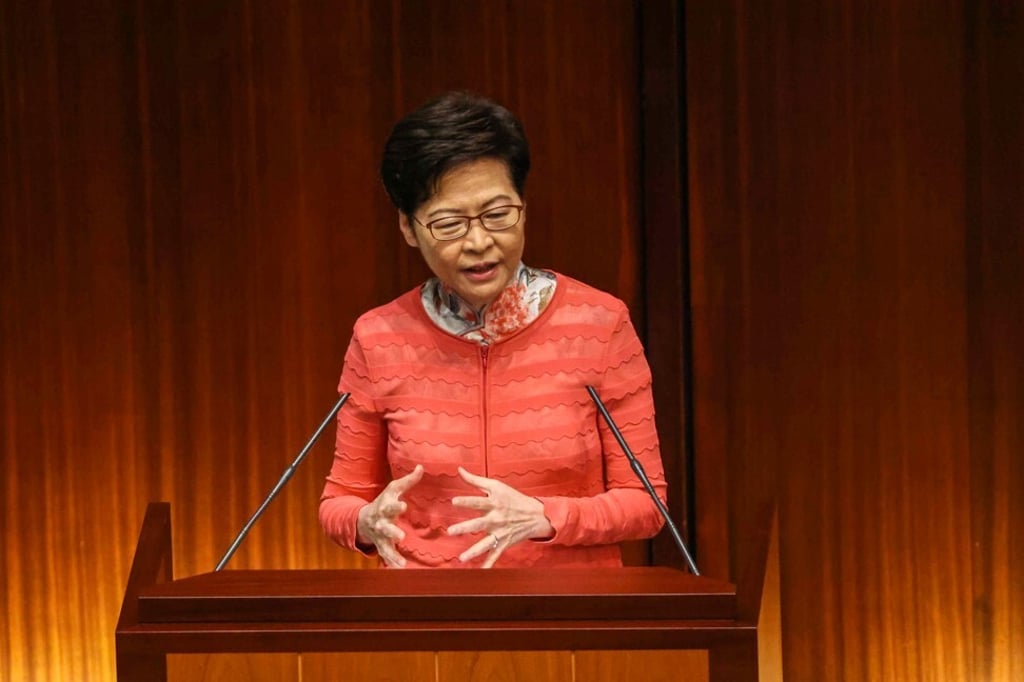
{"points": [[456, 226]]}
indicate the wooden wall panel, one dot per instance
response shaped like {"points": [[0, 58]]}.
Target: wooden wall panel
{"points": [[540, 58], [191, 222], [653, 666], [369, 667], [505, 666], [666, 275], [855, 231], [249, 667], [995, 263]]}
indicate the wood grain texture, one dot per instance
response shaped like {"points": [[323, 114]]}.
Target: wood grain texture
{"points": [[653, 666], [191, 223], [995, 263], [856, 254], [504, 666], [249, 667], [369, 667], [666, 275]]}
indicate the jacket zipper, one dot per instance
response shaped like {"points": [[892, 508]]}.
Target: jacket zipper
{"points": [[483, 406]]}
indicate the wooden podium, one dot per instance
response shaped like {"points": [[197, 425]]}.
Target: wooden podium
{"points": [[432, 610]]}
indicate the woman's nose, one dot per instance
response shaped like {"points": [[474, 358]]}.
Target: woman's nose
{"points": [[478, 237]]}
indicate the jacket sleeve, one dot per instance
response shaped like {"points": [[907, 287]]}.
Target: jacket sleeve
{"points": [[624, 511], [359, 470]]}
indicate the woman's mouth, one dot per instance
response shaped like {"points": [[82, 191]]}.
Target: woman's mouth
{"points": [[481, 271]]}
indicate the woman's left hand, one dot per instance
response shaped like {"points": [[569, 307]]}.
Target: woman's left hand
{"points": [[506, 515]]}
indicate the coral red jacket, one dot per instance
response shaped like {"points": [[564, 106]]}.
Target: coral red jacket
{"points": [[516, 411]]}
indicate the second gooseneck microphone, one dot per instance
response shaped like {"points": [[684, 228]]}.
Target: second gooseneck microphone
{"points": [[280, 483], [642, 475]]}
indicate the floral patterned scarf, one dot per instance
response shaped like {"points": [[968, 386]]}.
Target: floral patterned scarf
{"points": [[519, 304]]}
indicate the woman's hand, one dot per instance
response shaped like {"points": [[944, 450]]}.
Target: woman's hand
{"points": [[376, 524], [506, 515]]}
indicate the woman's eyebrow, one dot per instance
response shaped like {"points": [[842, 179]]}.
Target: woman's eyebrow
{"points": [[490, 202]]}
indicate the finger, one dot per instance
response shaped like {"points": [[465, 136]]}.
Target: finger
{"points": [[386, 529], [391, 556], [400, 485], [474, 480], [493, 557], [392, 508], [477, 525], [478, 548], [473, 502]]}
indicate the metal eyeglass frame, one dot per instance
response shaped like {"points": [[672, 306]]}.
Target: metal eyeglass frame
{"points": [[469, 221]]}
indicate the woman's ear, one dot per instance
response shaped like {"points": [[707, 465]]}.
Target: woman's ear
{"points": [[408, 231]]}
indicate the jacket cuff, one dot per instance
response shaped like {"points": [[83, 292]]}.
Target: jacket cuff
{"points": [[559, 515]]}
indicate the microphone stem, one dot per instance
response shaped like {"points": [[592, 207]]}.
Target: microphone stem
{"points": [[281, 482], [642, 475]]}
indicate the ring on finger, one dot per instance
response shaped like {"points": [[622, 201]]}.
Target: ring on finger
{"points": [[494, 546]]}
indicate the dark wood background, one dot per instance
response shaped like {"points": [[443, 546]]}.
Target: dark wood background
{"points": [[855, 175], [191, 222]]}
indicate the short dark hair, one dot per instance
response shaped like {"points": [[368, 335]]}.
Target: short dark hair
{"points": [[448, 131]]}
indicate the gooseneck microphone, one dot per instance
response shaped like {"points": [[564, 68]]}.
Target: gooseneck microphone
{"points": [[281, 482], [642, 475]]}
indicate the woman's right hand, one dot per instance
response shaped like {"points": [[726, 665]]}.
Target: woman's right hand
{"points": [[376, 524]]}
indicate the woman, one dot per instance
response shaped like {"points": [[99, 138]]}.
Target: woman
{"points": [[469, 439]]}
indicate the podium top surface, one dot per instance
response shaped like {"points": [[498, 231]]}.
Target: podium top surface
{"points": [[464, 594]]}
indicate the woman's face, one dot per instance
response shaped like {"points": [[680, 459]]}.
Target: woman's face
{"points": [[481, 263]]}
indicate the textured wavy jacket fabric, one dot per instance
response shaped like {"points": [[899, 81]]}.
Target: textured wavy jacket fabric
{"points": [[517, 411]]}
